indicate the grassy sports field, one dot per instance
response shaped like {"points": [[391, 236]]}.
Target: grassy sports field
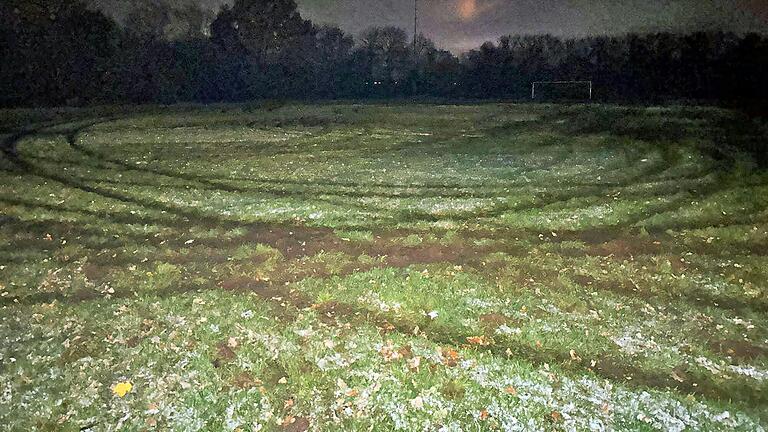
{"points": [[372, 267]]}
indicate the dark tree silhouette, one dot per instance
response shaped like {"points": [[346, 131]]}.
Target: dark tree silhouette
{"points": [[54, 52], [384, 57], [58, 52], [263, 28]]}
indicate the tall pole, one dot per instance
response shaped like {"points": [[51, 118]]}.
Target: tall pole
{"points": [[415, 23]]}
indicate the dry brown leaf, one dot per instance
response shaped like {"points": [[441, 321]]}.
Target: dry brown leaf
{"points": [[479, 340]]}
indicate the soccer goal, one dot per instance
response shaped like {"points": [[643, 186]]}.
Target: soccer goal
{"points": [[562, 90]]}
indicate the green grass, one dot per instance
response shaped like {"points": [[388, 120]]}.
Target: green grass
{"points": [[383, 267]]}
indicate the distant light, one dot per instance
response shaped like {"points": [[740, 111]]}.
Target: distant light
{"points": [[468, 9]]}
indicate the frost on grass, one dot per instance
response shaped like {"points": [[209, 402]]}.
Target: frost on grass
{"points": [[404, 382], [139, 353]]}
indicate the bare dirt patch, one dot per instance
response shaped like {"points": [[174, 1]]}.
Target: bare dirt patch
{"points": [[398, 256], [583, 280], [329, 311], [299, 424], [296, 242], [244, 380], [742, 350], [241, 284], [626, 248], [224, 354], [492, 321]]}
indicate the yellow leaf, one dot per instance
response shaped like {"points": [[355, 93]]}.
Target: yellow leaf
{"points": [[122, 388]]}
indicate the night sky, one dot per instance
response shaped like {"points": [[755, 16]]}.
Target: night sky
{"points": [[459, 25]]}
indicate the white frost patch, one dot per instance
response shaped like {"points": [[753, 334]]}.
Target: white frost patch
{"points": [[636, 344], [747, 324], [304, 332], [480, 304], [718, 369], [333, 361], [750, 371], [709, 365], [506, 330], [588, 404], [372, 298], [443, 206]]}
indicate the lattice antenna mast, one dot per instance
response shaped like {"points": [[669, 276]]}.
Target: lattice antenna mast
{"points": [[415, 23]]}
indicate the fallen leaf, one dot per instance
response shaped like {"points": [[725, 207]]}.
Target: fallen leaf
{"points": [[232, 342], [122, 388], [478, 340], [405, 351], [389, 353], [451, 357], [511, 390], [414, 363], [574, 356], [677, 377]]}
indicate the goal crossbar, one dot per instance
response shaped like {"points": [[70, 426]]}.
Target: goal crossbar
{"points": [[533, 86]]}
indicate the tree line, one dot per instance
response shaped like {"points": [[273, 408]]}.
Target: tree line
{"points": [[60, 52]]}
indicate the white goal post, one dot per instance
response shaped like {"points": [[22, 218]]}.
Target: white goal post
{"points": [[540, 83]]}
